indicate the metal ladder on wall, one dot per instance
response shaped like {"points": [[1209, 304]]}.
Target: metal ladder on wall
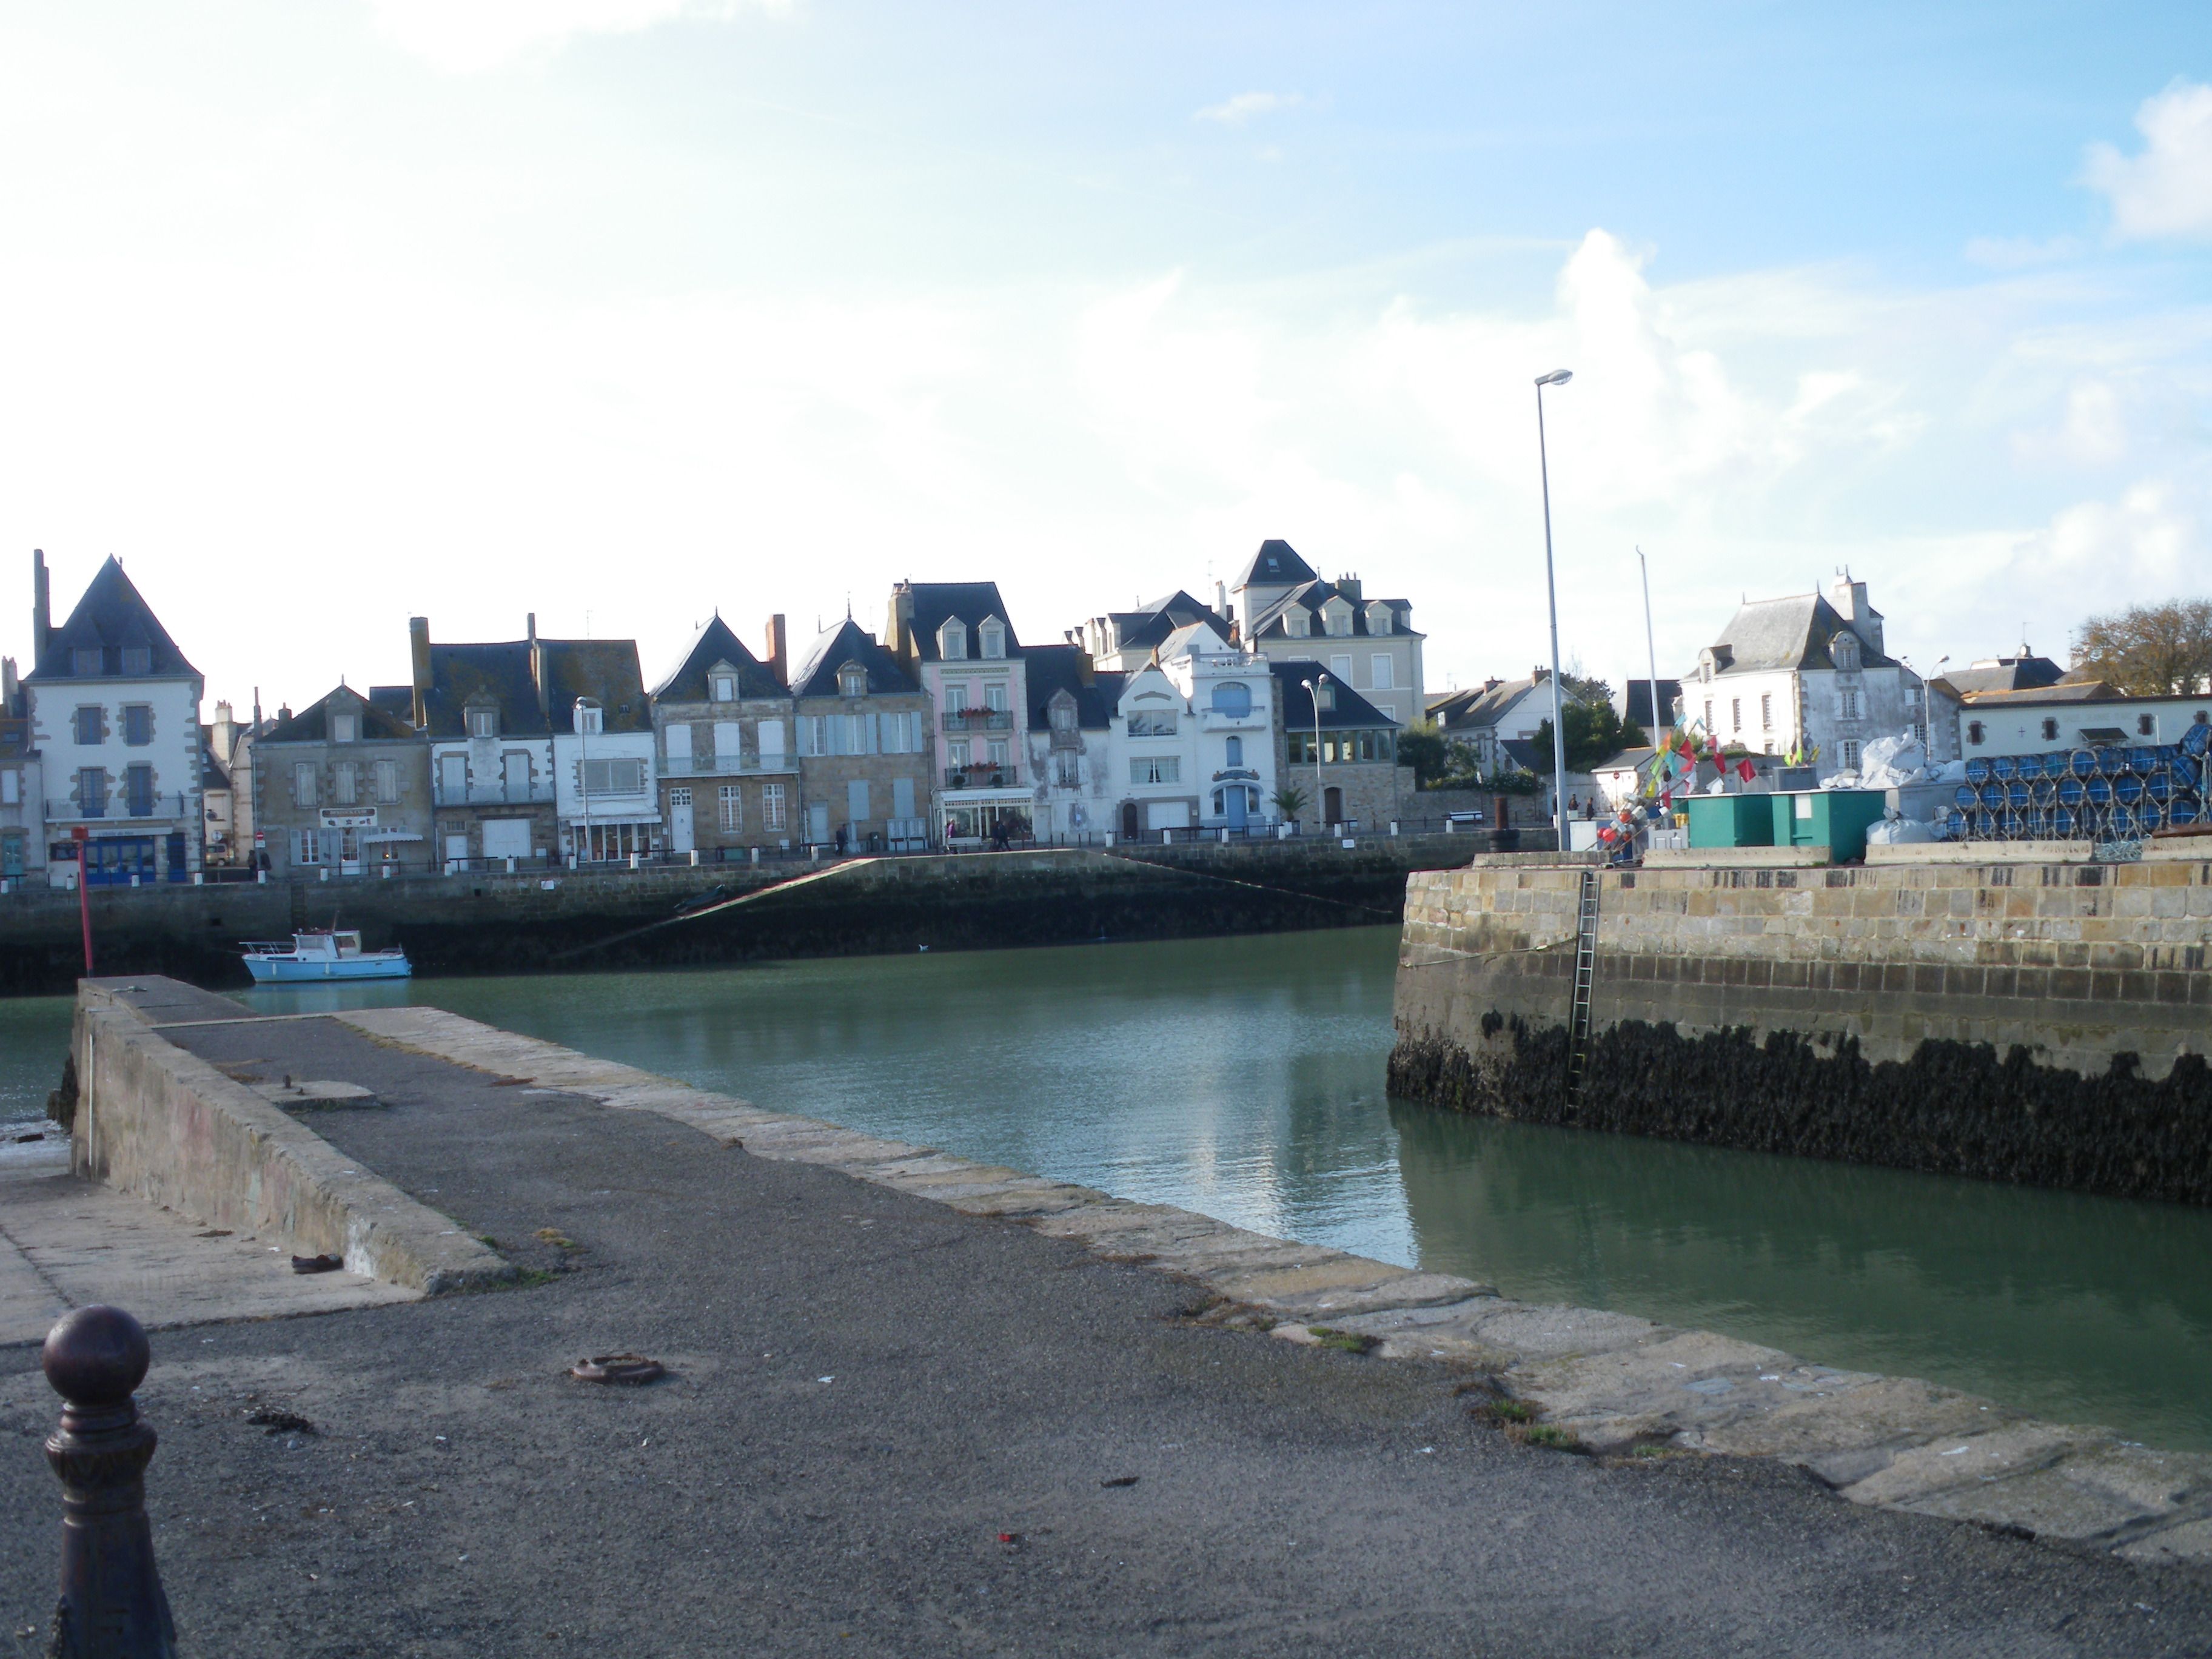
{"points": [[1578, 1018]]}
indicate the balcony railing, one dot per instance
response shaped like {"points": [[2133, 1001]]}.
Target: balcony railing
{"points": [[492, 794], [979, 719], [725, 766], [981, 774]]}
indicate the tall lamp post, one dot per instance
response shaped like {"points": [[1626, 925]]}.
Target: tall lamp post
{"points": [[1650, 651], [1557, 377], [1313, 692], [585, 709]]}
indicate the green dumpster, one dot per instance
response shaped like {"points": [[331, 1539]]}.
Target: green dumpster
{"points": [[1836, 819], [1731, 821]]}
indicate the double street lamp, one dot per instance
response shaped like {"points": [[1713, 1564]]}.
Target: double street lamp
{"points": [[1557, 377], [1313, 692]]}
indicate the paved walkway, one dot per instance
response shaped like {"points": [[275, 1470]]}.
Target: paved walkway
{"points": [[894, 1428]]}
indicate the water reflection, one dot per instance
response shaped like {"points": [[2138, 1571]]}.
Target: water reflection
{"points": [[2079, 1307]]}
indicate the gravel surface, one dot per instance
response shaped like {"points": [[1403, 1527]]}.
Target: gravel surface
{"points": [[892, 1428]]}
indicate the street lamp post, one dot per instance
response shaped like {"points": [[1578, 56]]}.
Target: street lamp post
{"points": [[1650, 651], [584, 706], [1557, 377], [1313, 691]]}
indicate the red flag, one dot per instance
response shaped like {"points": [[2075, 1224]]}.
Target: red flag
{"points": [[1745, 769]]}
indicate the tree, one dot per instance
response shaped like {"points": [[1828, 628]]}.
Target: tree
{"points": [[1595, 735], [1290, 801], [1421, 746], [2149, 650]]}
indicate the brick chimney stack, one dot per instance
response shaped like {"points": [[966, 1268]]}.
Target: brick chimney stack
{"points": [[418, 652], [42, 609], [779, 650], [899, 635]]}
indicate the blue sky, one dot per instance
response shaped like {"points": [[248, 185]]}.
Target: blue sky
{"points": [[621, 310]]}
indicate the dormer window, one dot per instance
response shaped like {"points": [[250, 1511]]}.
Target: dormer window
{"points": [[484, 722], [723, 688], [1325, 696], [1336, 620], [137, 658], [1378, 618], [852, 681], [993, 637], [345, 728], [1846, 651], [1298, 624], [591, 720], [85, 660], [952, 641]]}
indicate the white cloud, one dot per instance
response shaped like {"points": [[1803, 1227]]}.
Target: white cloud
{"points": [[1245, 106], [2166, 191], [2021, 252], [465, 36]]}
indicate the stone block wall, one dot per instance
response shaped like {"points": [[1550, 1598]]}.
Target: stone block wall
{"points": [[2041, 1022]]}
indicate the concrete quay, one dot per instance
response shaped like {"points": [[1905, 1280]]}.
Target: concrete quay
{"points": [[920, 1405]]}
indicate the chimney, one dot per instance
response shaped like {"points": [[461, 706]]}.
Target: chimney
{"points": [[532, 625], [1085, 674], [899, 633], [42, 609], [1850, 598], [1221, 601], [7, 685], [779, 652], [1349, 587], [418, 652]]}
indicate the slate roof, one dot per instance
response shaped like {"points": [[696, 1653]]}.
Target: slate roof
{"points": [[713, 643], [394, 700], [2024, 673], [1351, 710], [1474, 708], [1055, 668], [1275, 565], [1269, 623], [311, 724], [971, 602], [1148, 626], [604, 670], [1628, 760], [501, 671], [849, 642], [1529, 755], [2038, 696], [1774, 635], [111, 617]]}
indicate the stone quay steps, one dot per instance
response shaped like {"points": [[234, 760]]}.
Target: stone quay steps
{"points": [[1616, 1382]]}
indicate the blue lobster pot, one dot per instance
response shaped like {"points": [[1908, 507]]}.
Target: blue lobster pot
{"points": [[2099, 792], [2004, 768], [1955, 825], [2069, 791], [1967, 796], [2082, 763], [2182, 811], [2062, 821], [2158, 785], [2196, 740], [2111, 762], [2142, 762], [2128, 789], [1978, 770]]}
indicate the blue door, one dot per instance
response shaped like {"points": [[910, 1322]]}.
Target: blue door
{"points": [[1237, 806]]}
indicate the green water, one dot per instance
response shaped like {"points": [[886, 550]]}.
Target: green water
{"points": [[1243, 1078]]}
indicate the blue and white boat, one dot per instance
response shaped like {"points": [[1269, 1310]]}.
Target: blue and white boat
{"points": [[326, 954]]}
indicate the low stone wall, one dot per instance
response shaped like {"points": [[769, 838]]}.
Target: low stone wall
{"points": [[497, 923], [166, 1126], [2044, 1023]]}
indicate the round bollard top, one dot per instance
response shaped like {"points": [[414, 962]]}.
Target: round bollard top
{"points": [[96, 1356]]}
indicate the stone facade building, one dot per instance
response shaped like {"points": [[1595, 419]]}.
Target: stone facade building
{"points": [[865, 750], [729, 773], [113, 710], [344, 788], [491, 750], [22, 797], [1342, 756], [1284, 611]]}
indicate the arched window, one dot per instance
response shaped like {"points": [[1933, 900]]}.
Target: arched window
{"points": [[952, 641], [1233, 699], [1237, 751]]}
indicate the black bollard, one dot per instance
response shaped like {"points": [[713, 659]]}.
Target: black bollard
{"points": [[112, 1605]]}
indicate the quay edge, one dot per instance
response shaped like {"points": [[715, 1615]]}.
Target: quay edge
{"points": [[2038, 1019]]}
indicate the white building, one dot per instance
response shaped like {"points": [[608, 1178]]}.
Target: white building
{"points": [[1194, 739], [22, 799], [606, 789], [1072, 719], [1807, 670], [491, 749], [113, 710], [1497, 712], [2040, 719]]}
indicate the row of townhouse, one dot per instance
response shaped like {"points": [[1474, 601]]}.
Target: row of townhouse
{"points": [[1280, 704]]}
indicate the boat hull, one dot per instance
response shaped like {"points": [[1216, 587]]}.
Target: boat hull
{"points": [[279, 970]]}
